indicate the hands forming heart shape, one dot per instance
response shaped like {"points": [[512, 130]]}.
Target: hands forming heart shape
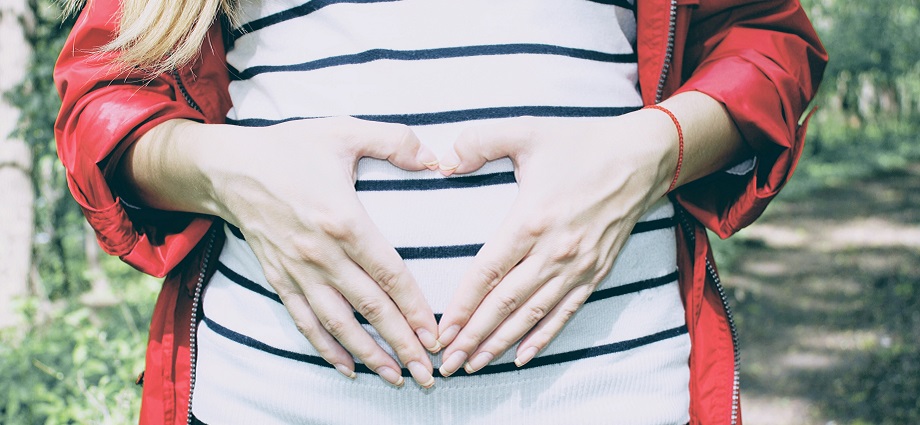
{"points": [[582, 185]]}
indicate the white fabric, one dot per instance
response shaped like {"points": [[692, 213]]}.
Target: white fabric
{"points": [[644, 383]]}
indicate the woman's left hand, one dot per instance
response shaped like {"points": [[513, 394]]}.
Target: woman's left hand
{"points": [[583, 185]]}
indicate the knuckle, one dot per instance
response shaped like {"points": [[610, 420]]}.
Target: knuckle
{"points": [[335, 327], [473, 338], [308, 250], [387, 278], [567, 248], [405, 350], [304, 326], [567, 312], [535, 314], [403, 134], [535, 227], [288, 294], [346, 129], [340, 227], [497, 343], [490, 273], [587, 266], [506, 304], [272, 275], [371, 309]]}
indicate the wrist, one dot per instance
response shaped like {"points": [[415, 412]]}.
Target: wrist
{"points": [[711, 139], [169, 167], [657, 138], [214, 156], [680, 144]]}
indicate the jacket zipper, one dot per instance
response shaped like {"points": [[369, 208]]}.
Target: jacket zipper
{"points": [[193, 325], [659, 93], [736, 384], [202, 274], [188, 98], [669, 53], [736, 378]]}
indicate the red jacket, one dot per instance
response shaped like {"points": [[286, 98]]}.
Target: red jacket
{"points": [[760, 58]]}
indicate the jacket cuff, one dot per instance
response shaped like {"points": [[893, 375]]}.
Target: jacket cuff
{"points": [[768, 122], [110, 122]]}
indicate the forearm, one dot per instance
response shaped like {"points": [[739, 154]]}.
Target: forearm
{"points": [[711, 139], [164, 168]]}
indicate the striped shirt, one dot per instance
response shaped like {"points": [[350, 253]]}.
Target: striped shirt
{"points": [[440, 66]]}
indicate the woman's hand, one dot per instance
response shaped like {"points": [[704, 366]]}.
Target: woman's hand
{"points": [[583, 184], [290, 189]]}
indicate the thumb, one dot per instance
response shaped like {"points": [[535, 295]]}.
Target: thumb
{"points": [[482, 143], [396, 143]]}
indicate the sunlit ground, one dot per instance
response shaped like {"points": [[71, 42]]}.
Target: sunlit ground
{"points": [[827, 295]]}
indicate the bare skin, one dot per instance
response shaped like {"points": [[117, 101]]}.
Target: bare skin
{"points": [[318, 248], [523, 282], [566, 227]]}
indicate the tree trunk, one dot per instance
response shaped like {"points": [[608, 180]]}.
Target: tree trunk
{"points": [[17, 197]]}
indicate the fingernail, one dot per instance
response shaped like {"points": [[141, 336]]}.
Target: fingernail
{"points": [[427, 158], [421, 374], [452, 363], [448, 169], [450, 163], [479, 361], [525, 356], [448, 335], [391, 376], [345, 370], [428, 340]]}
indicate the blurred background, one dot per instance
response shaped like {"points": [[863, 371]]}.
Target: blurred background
{"points": [[825, 287]]}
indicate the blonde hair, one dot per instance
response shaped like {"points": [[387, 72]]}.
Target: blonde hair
{"points": [[161, 35]]}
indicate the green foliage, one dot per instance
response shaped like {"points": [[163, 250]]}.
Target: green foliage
{"points": [[868, 115], [68, 363], [868, 36], [37, 98], [58, 246], [79, 368]]}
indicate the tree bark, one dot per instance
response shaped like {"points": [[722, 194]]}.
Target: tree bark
{"points": [[17, 197]]}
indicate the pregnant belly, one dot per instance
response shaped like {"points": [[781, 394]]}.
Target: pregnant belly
{"points": [[437, 224]]}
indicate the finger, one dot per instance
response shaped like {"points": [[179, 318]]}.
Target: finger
{"points": [[479, 144], [396, 143], [541, 335], [337, 317], [525, 318], [307, 323], [380, 311], [515, 289], [514, 239], [369, 249]]}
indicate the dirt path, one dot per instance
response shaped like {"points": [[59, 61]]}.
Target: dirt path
{"points": [[827, 295]]}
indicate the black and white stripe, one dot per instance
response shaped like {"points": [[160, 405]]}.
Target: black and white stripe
{"points": [[549, 360], [440, 67]]}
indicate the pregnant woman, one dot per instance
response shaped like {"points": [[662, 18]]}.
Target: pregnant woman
{"points": [[469, 194]]}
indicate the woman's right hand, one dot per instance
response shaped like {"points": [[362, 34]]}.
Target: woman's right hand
{"points": [[290, 189]]}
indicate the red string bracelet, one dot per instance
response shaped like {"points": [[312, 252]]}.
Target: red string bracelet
{"points": [[680, 139]]}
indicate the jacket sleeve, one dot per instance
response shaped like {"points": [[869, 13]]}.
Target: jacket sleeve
{"points": [[763, 61], [103, 111]]}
